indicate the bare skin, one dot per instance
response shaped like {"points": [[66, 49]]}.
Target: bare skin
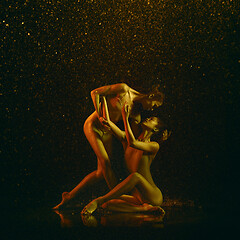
{"points": [[139, 155], [100, 136]]}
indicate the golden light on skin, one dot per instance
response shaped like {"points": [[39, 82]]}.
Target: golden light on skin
{"points": [[137, 151], [62, 51], [120, 97]]}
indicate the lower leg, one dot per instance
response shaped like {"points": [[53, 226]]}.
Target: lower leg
{"points": [[86, 182], [89, 180], [124, 187]]}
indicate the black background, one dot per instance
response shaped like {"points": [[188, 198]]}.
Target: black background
{"points": [[53, 53]]}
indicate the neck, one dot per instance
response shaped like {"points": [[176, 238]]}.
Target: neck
{"points": [[139, 97], [145, 136]]}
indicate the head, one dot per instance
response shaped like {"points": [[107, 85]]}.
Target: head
{"points": [[153, 124], [153, 100], [158, 129]]}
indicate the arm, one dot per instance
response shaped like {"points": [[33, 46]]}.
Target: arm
{"points": [[116, 131], [132, 142], [107, 90]]}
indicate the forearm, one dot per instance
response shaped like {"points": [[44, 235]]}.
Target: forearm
{"points": [[96, 94], [95, 98], [128, 131], [114, 128]]}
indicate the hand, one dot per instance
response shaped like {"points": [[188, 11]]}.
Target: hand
{"points": [[126, 110], [105, 123], [166, 134]]}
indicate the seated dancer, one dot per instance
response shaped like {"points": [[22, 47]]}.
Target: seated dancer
{"points": [[139, 154], [100, 138]]}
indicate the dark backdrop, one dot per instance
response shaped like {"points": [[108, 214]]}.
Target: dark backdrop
{"points": [[53, 53]]}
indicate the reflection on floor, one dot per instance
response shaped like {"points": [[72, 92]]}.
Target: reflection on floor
{"points": [[180, 221], [71, 219], [174, 215]]}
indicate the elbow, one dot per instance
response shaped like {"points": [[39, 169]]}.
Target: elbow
{"points": [[93, 93], [123, 138], [132, 144]]}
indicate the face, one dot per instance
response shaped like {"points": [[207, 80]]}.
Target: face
{"points": [[152, 104], [152, 123]]}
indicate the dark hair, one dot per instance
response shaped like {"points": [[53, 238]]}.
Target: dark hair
{"points": [[164, 124], [153, 92], [156, 95]]}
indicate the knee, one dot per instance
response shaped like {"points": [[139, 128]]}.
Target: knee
{"points": [[99, 174], [86, 127], [136, 176], [105, 163]]}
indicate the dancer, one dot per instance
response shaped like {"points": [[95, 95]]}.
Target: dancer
{"points": [[100, 137], [139, 155]]}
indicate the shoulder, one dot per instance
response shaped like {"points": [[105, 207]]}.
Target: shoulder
{"points": [[124, 86], [154, 147]]}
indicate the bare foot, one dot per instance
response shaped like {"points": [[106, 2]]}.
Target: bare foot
{"points": [[155, 209], [91, 207], [65, 199]]}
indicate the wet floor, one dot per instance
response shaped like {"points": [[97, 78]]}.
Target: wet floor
{"points": [[178, 223]]}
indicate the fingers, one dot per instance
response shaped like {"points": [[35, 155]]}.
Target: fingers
{"points": [[126, 108], [105, 123], [166, 134]]}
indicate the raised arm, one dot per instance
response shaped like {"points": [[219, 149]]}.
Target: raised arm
{"points": [[107, 90], [132, 141], [116, 130]]}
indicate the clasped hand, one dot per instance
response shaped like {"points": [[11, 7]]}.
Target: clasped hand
{"points": [[105, 123], [125, 113]]}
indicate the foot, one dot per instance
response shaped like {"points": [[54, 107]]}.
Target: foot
{"points": [[90, 208], [155, 209], [65, 199]]}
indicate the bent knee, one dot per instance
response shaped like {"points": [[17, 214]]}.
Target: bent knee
{"points": [[158, 200], [136, 175], [105, 163], [87, 127], [99, 174]]}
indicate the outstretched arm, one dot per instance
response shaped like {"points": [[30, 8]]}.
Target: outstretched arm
{"points": [[107, 90], [132, 141], [116, 131]]}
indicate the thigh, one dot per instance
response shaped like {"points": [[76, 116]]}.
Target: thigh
{"points": [[99, 143], [148, 193], [120, 205], [130, 199]]}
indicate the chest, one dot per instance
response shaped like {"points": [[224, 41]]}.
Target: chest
{"points": [[136, 159], [115, 105]]}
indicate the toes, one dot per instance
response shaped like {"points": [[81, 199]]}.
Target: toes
{"points": [[85, 211]]}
